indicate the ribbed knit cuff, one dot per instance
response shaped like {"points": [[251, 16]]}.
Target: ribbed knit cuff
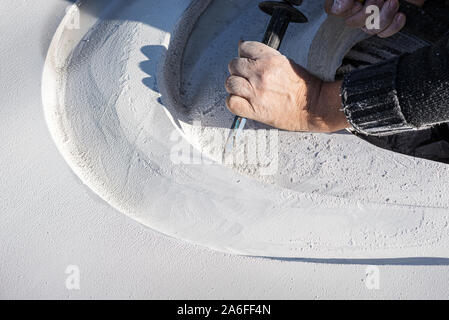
{"points": [[370, 100]]}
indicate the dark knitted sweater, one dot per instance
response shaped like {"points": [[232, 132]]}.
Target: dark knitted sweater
{"points": [[410, 92]]}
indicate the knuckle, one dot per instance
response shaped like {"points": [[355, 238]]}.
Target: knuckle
{"points": [[249, 63], [232, 83], [232, 64], [245, 44], [264, 76], [228, 83], [248, 46]]}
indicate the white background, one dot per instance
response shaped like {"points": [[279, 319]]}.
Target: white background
{"points": [[50, 220]]}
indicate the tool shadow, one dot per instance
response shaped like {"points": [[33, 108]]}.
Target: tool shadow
{"points": [[410, 261]]}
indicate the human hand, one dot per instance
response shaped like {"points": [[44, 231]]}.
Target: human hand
{"points": [[268, 87], [354, 12]]}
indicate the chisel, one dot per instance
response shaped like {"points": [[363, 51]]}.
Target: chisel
{"points": [[282, 13]]}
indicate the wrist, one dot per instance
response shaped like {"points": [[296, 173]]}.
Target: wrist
{"points": [[330, 116]]}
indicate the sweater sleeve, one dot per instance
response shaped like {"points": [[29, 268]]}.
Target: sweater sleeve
{"points": [[410, 92]]}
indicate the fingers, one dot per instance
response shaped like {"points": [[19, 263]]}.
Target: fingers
{"points": [[255, 50], [387, 16], [397, 24], [356, 15], [358, 20], [249, 52], [342, 8], [240, 106], [390, 21], [239, 87], [241, 92], [241, 67], [356, 8]]}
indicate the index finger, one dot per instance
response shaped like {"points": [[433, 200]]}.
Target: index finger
{"points": [[255, 50]]}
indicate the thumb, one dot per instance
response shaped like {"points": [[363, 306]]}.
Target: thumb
{"points": [[240, 107]]}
